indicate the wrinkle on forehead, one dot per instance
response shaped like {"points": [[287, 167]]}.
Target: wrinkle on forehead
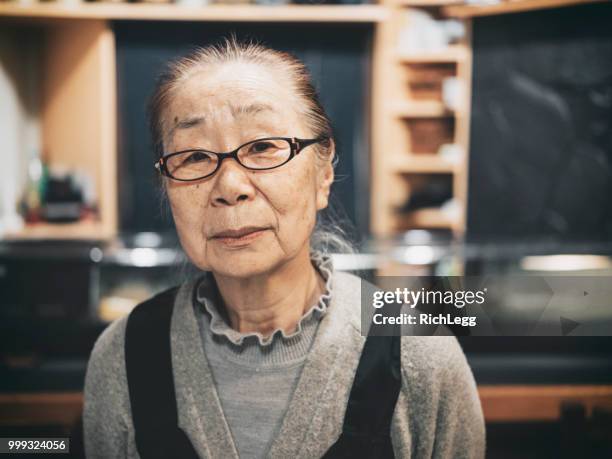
{"points": [[248, 109], [236, 89]]}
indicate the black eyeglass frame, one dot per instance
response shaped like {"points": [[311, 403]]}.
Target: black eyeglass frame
{"points": [[296, 145]]}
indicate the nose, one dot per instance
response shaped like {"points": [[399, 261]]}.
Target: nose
{"points": [[232, 185]]}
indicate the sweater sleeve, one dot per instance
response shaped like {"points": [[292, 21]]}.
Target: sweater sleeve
{"points": [[106, 404], [443, 406]]}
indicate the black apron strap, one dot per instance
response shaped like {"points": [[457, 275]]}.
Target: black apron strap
{"points": [[367, 423], [150, 380]]}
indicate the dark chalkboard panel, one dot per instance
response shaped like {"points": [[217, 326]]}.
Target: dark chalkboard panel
{"points": [[541, 132], [338, 57]]}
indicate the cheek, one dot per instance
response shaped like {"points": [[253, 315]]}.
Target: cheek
{"points": [[187, 206], [294, 201], [182, 203]]}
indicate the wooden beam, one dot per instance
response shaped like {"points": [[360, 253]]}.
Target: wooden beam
{"points": [[500, 403], [538, 403], [506, 7], [230, 13], [40, 409]]}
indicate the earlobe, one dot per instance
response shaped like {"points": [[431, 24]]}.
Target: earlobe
{"points": [[327, 178], [322, 199]]}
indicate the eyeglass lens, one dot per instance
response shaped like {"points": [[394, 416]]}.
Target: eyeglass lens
{"points": [[259, 154]]}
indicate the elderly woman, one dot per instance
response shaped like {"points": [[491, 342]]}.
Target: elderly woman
{"points": [[257, 357]]}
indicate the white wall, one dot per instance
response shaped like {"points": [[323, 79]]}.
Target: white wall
{"points": [[20, 134]]}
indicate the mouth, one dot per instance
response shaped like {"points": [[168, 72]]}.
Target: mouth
{"points": [[241, 236]]}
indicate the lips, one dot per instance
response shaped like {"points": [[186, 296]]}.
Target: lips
{"points": [[238, 233]]}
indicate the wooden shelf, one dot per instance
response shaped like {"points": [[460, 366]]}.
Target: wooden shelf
{"points": [[229, 13], [450, 55], [79, 230], [426, 218], [71, 75], [414, 122], [506, 7], [429, 163], [79, 69], [538, 403], [421, 109], [500, 403], [40, 408], [430, 3]]}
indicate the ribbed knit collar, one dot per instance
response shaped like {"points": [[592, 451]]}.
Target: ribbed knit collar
{"points": [[294, 345]]}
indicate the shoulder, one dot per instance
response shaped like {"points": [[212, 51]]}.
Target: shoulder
{"points": [[433, 358], [108, 349], [106, 364], [439, 398]]}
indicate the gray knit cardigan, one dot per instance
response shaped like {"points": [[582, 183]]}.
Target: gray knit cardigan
{"points": [[438, 413]]}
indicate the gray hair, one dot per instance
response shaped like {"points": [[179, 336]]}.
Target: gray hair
{"points": [[333, 233], [230, 49]]}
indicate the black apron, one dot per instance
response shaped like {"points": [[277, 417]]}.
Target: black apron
{"points": [[367, 422]]}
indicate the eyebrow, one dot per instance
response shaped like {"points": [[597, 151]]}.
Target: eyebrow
{"points": [[186, 123], [189, 122], [250, 109]]}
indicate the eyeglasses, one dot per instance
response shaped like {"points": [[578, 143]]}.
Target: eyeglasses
{"points": [[260, 154]]}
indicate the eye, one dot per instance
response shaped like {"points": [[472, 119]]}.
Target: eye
{"points": [[196, 157], [262, 147]]}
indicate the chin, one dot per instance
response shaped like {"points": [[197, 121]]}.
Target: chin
{"points": [[243, 263]]}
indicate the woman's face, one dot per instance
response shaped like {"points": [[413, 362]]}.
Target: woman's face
{"points": [[219, 110]]}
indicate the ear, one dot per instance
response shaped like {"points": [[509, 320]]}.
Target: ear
{"points": [[325, 178]]}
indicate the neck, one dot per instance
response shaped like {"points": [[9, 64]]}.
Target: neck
{"points": [[273, 300]]}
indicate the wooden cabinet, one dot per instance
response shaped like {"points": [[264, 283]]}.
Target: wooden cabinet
{"points": [[413, 121], [77, 112], [71, 87], [74, 82], [73, 76]]}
